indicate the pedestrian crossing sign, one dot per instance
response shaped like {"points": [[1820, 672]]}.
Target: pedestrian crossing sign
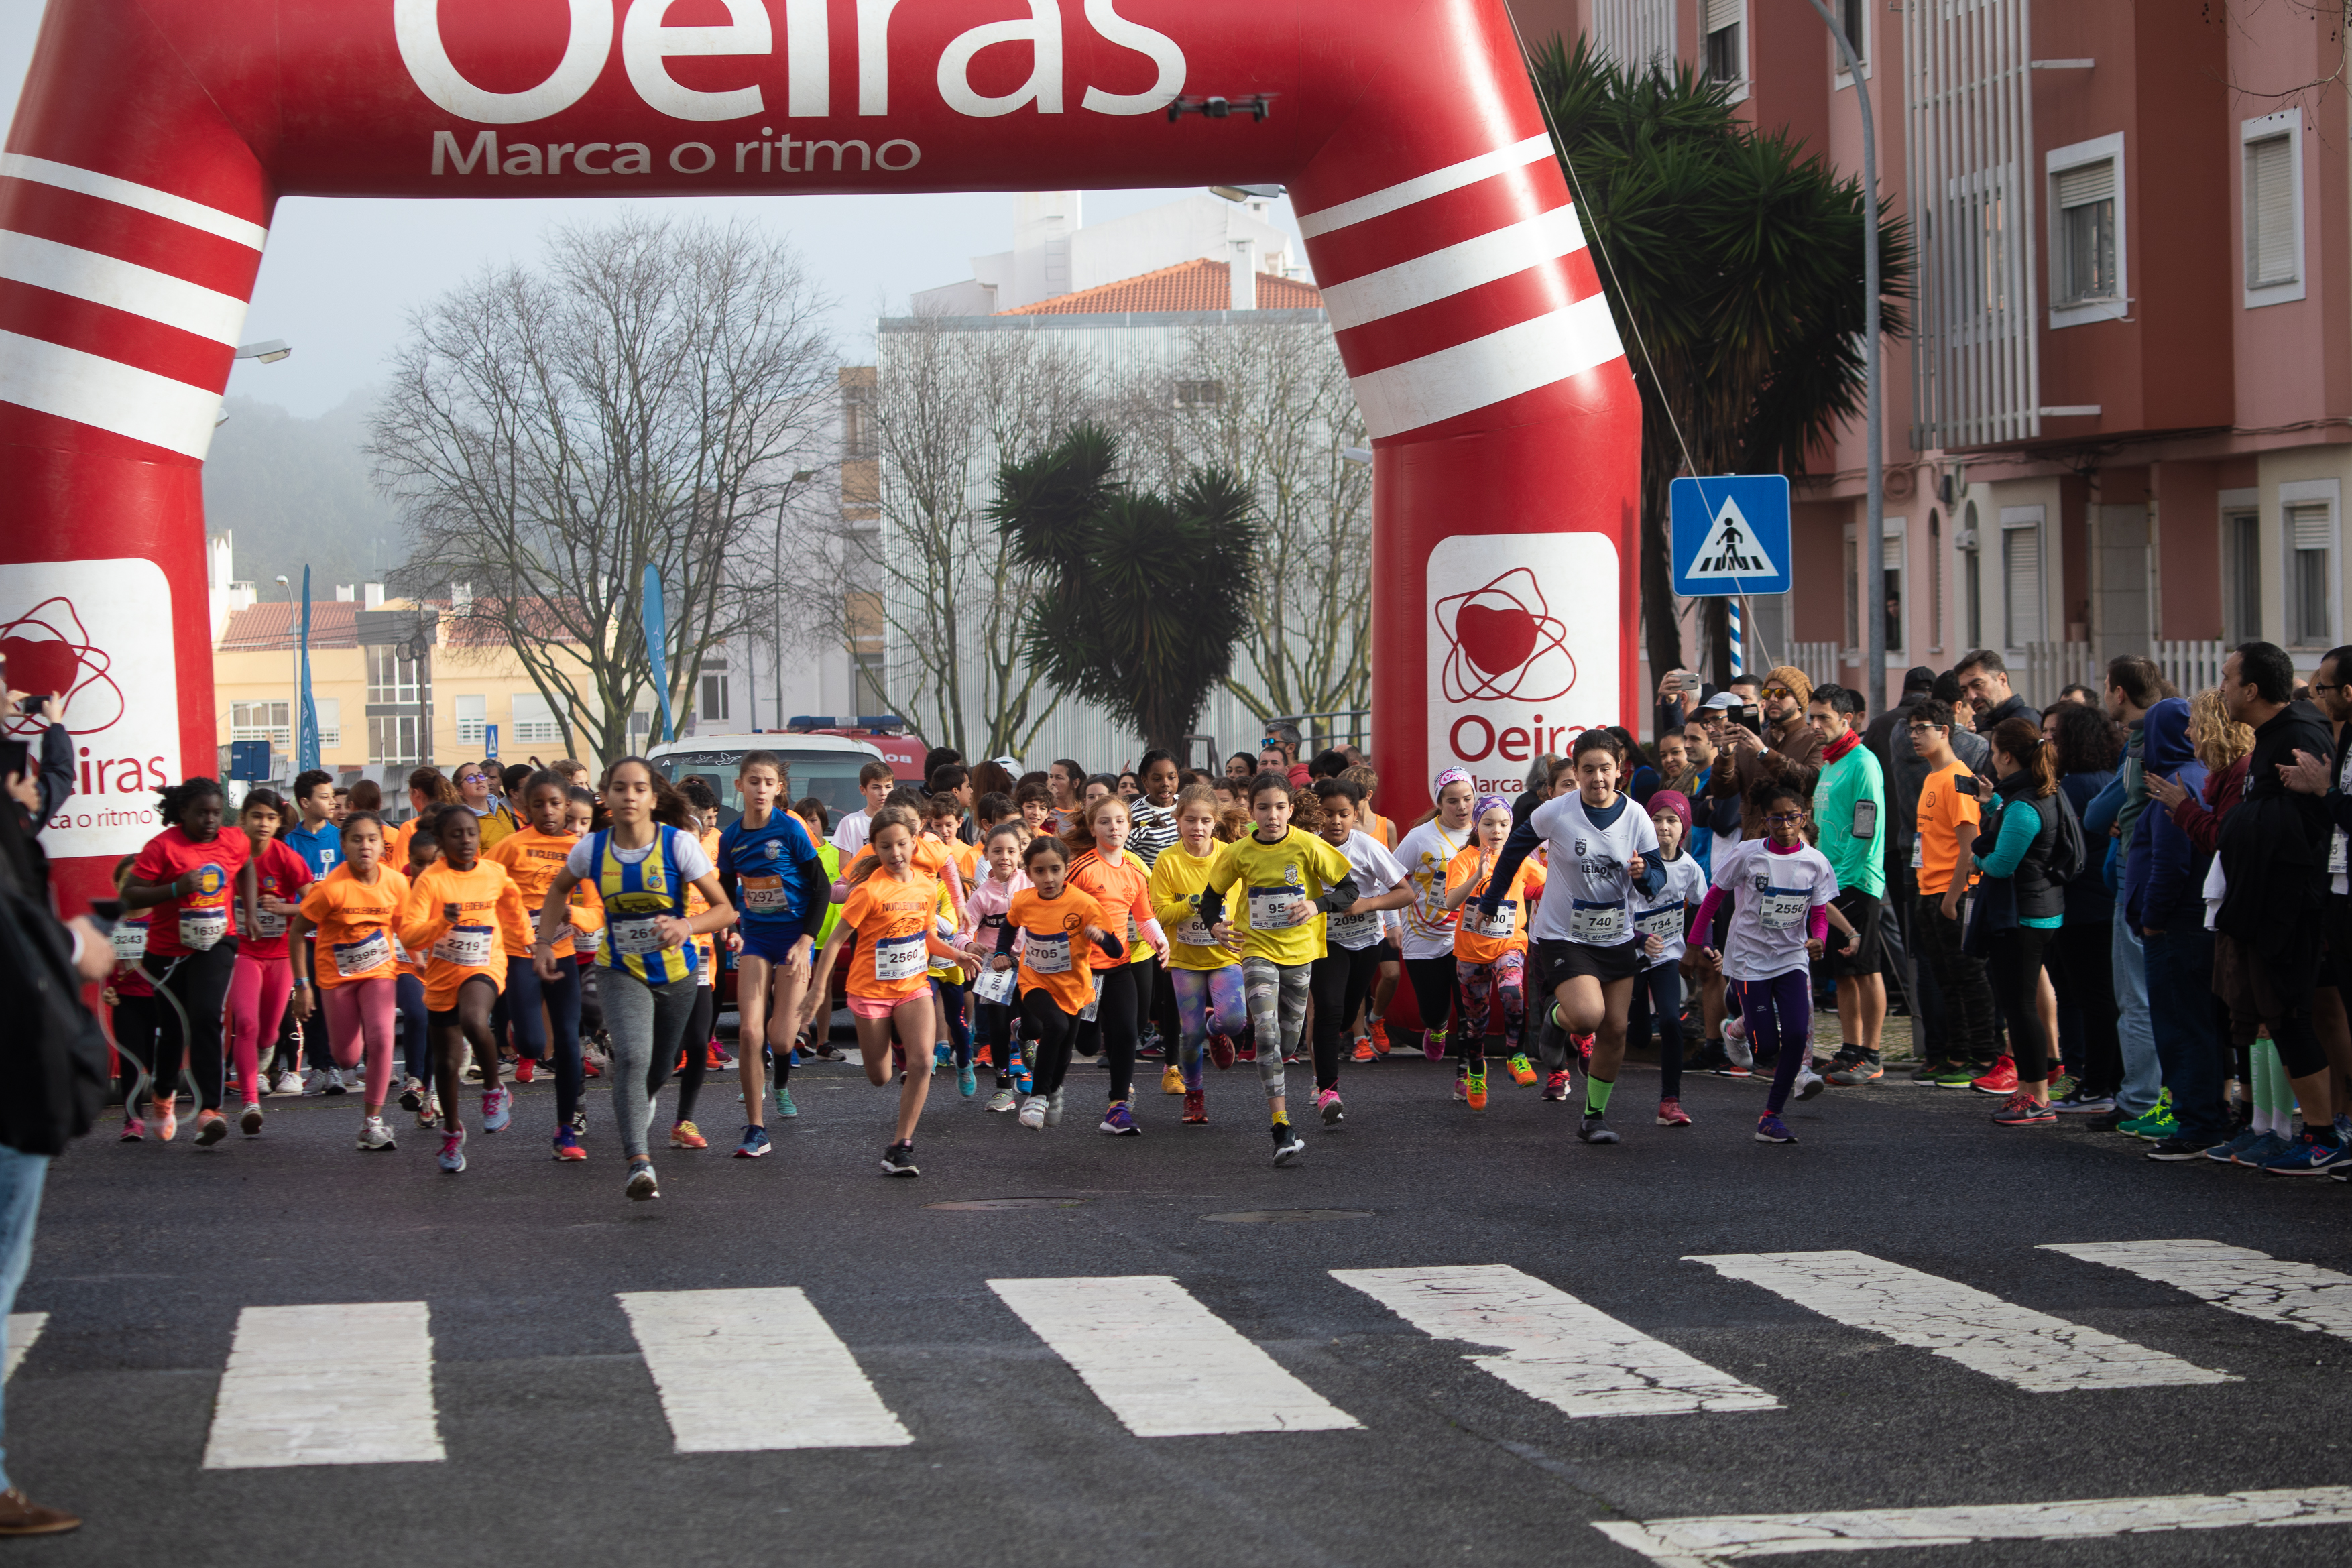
{"points": [[1731, 535]]}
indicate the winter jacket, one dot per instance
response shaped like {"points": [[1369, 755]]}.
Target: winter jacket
{"points": [[2090, 901], [2164, 878], [2201, 819]]}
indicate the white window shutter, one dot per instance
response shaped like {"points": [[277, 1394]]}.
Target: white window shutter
{"points": [[2270, 213], [2087, 183]]}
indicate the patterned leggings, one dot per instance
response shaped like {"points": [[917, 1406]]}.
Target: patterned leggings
{"points": [[1206, 1000], [1278, 1009], [1494, 996]]}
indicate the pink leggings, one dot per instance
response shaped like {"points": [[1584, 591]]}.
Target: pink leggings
{"points": [[257, 993], [359, 1013]]}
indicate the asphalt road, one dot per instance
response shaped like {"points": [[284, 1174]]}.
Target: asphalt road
{"points": [[559, 1452]]}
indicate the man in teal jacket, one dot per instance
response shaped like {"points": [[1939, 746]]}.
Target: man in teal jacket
{"points": [[1850, 815]]}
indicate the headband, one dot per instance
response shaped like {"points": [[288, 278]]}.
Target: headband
{"points": [[1487, 803], [1451, 775]]}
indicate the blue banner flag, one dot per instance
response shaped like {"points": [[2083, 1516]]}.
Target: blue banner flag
{"points": [[306, 743], [656, 636]]}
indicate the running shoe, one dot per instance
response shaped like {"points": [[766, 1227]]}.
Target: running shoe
{"points": [[2155, 1122], [1584, 1050], [1004, 1100], [1119, 1123], [2020, 1111], [1246, 1050], [1288, 1145], [1727, 1068], [2001, 1080], [2227, 1153], [374, 1136], [1960, 1074], [1930, 1068], [2306, 1157], [686, 1135], [288, 1086], [134, 1130], [642, 1184], [335, 1085], [753, 1145], [1363, 1051], [899, 1160], [1595, 1129], [1738, 1062], [1053, 1107], [1196, 1107], [430, 1110], [211, 1128], [525, 1070], [1555, 1085], [941, 1053], [1032, 1112], [1672, 1114], [784, 1106], [250, 1124], [1326, 1100], [1810, 1083], [2083, 1104], [1461, 1087], [1523, 1072], [1770, 1129], [1292, 1059], [1432, 1044], [579, 1122], [1171, 1079], [1379, 1028], [453, 1150], [716, 1060], [2252, 1157], [498, 1109], [567, 1146], [1221, 1051], [1863, 1067], [411, 1092], [967, 1080], [1478, 1091], [2178, 1150], [167, 1118]]}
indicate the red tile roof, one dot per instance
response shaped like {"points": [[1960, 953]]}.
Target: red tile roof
{"points": [[1187, 285], [278, 625]]}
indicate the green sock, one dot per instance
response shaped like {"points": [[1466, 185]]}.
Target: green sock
{"points": [[1596, 1095]]}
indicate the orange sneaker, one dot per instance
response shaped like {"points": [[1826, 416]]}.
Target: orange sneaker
{"points": [[686, 1135], [1380, 1036], [1364, 1051], [167, 1121], [1477, 1086]]}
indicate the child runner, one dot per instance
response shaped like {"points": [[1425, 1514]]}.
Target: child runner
{"points": [[421, 846], [463, 913], [992, 901], [580, 819], [353, 910], [1601, 852], [1035, 804], [1287, 876], [1373, 1043], [942, 825], [131, 999], [1211, 1007], [699, 1052], [316, 835], [1429, 926], [532, 855], [1663, 923], [1154, 807], [1343, 977], [891, 908], [771, 869], [1105, 870], [260, 988], [874, 782], [640, 868], [1779, 889], [188, 874], [1490, 957], [1052, 921]]}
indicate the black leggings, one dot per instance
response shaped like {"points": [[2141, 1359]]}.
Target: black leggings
{"points": [[199, 983], [1342, 980], [1112, 1031], [2014, 968], [1432, 989], [995, 1026], [697, 1052], [135, 1023], [1657, 993], [2083, 970], [1056, 1033]]}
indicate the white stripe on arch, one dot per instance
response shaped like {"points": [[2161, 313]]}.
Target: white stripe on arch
{"points": [[1420, 187], [92, 390], [121, 284], [131, 193], [1485, 370], [1442, 273]]}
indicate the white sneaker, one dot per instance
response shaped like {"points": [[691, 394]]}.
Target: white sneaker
{"points": [[335, 1085], [374, 1134], [1809, 1083], [1033, 1111], [1053, 1110], [288, 1086]]}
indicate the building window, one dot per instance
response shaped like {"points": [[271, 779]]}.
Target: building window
{"points": [[392, 740], [1200, 393], [2272, 146], [330, 721], [2021, 566], [859, 436], [473, 714], [2241, 575], [1854, 20], [1936, 583], [2308, 515], [1637, 36], [261, 721], [2086, 232], [1891, 595], [1973, 579], [1726, 42], [393, 675], [535, 722], [714, 698]]}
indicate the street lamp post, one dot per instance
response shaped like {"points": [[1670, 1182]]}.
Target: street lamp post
{"points": [[1874, 584]]}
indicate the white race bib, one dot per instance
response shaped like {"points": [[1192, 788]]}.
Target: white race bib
{"points": [[2335, 853], [1783, 908], [202, 929], [1596, 923], [996, 985], [635, 936], [1193, 932], [130, 943], [1277, 908], [269, 923], [1088, 1012], [1047, 953], [899, 958], [1354, 930], [1499, 924], [764, 894], [467, 946], [1664, 920], [371, 952], [587, 941], [1918, 851]]}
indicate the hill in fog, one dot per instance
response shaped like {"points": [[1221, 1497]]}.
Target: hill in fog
{"points": [[295, 493]]}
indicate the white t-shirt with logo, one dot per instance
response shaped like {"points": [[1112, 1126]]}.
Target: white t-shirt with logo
{"points": [[1588, 896], [1665, 913], [1376, 872], [1773, 901], [1422, 855]]}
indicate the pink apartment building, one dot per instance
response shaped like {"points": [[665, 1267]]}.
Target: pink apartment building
{"points": [[2123, 421]]}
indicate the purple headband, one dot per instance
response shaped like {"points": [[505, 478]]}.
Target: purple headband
{"points": [[1451, 775], [1487, 803]]}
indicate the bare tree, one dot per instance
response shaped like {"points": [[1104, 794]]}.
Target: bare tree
{"points": [[642, 399], [951, 405], [1269, 402]]}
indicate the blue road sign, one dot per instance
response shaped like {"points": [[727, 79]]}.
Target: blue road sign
{"points": [[1731, 535], [490, 741]]}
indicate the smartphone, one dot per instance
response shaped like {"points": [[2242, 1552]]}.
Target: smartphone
{"points": [[32, 702], [1682, 681], [1748, 719], [16, 758], [104, 913], [1968, 784]]}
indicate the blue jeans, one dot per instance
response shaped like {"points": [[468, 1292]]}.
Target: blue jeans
{"points": [[20, 1201], [2143, 1072], [2190, 1039]]}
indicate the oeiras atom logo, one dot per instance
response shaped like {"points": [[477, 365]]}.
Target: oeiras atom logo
{"points": [[1522, 647], [1505, 643]]}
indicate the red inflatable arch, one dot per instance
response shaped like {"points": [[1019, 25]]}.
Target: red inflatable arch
{"points": [[155, 136]]}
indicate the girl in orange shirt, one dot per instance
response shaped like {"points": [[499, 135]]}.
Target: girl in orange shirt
{"points": [[1490, 955], [538, 1009], [418, 849], [1104, 869], [459, 909], [891, 908], [353, 910], [1054, 921]]}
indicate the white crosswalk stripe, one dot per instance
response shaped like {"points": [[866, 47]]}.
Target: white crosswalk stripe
{"points": [[346, 1385], [751, 1369], [2238, 1278], [2034, 1351], [24, 1328], [1164, 1363], [1571, 1355]]}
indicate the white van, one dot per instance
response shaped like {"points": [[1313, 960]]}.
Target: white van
{"points": [[824, 765]]}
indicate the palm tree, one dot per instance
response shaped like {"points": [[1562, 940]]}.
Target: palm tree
{"points": [[1145, 596], [1736, 259]]}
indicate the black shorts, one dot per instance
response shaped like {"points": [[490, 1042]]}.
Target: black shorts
{"points": [[1860, 910], [442, 1020], [1564, 961], [1386, 951]]}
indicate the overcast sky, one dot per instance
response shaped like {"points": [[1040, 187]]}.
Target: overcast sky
{"points": [[340, 277]]}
